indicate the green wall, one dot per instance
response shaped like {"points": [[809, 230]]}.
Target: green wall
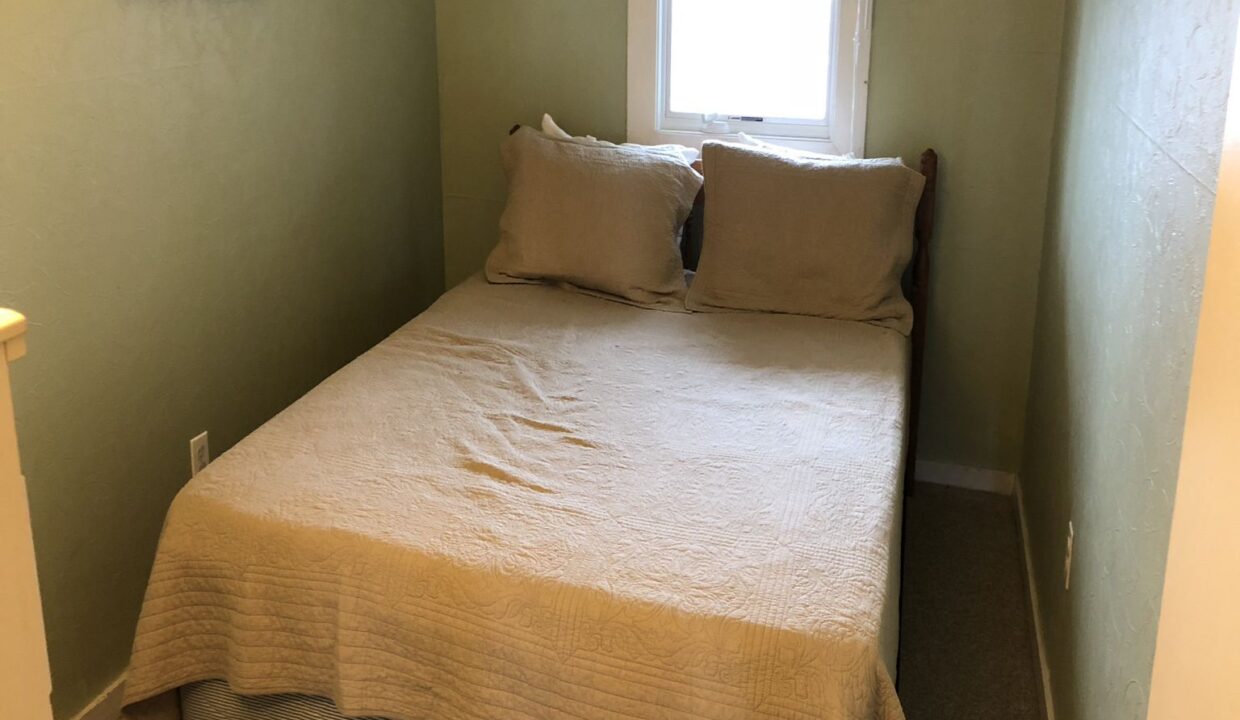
{"points": [[205, 208], [503, 62], [1143, 99], [974, 78]]}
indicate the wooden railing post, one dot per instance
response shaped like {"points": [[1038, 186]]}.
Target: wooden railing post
{"points": [[25, 682]]}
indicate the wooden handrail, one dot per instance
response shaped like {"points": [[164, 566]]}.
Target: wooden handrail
{"points": [[12, 334], [26, 684]]}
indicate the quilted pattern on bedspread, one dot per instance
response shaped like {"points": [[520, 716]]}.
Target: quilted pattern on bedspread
{"points": [[529, 503]]}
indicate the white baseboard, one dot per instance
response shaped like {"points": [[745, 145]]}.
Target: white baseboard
{"points": [[108, 705], [968, 478], [1048, 698]]}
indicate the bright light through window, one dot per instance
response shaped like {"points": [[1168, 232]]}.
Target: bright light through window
{"points": [[769, 59]]}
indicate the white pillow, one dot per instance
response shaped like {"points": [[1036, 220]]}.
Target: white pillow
{"points": [[552, 130], [746, 139]]}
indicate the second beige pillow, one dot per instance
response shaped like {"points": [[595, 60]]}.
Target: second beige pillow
{"points": [[806, 236]]}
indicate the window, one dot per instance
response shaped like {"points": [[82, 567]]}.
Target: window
{"points": [[792, 71]]}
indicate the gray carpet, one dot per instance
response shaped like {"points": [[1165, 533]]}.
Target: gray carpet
{"points": [[967, 648]]}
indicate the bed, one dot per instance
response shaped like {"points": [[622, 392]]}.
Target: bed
{"points": [[533, 503]]}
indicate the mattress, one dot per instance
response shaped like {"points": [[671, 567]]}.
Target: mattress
{"points": [[532, 503]]}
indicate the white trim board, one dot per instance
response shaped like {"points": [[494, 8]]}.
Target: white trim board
{"points": [[967, 478], [107, 706], [1048, 697]]}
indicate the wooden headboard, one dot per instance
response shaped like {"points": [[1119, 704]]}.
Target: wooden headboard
{"points": [[916, 289]]}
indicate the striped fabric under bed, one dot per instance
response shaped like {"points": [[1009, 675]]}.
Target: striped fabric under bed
{"points": [[214, 700]]}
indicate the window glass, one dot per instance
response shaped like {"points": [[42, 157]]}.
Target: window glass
{"points": [[768, 59]]}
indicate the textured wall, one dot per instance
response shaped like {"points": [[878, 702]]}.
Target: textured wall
{"points": [[1143, 96], [975, 79], [503, 62], [205, 208], [1197, 654]]}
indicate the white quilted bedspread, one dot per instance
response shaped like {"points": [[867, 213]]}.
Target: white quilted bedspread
{"points": [[530, 503]]}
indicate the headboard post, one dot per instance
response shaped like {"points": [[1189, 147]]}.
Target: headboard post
{"points": [[923, 229]]}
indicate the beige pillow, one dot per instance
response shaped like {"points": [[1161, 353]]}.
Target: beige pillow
{"points": [[600, 218], [804, 235]]}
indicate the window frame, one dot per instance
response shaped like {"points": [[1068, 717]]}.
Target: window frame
{"points": [[843, 132]]}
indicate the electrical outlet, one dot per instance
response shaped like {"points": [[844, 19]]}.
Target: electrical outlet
{"points": [[199, 454], [1067, 557]]}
